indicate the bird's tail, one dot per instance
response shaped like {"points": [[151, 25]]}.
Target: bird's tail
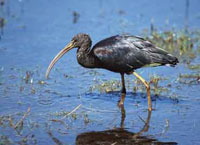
{"points": [[170, 60], [164, 59]]}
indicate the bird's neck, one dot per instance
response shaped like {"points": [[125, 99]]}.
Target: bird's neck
{"points": [[85, 58]]}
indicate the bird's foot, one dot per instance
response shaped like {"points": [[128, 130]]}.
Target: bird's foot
{"points": [[151, 109], [121, 101], [120, 104]]}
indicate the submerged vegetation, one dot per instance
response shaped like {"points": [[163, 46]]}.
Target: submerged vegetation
{"points": [[190, 79], [182, 43], [106, 86]]}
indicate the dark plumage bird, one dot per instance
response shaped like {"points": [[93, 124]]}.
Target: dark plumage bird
{"points": [[121, 53]]}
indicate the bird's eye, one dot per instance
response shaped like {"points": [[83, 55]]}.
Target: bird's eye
{"points": [[75, 40]]}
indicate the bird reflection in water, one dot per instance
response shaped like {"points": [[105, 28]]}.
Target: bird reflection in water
{"points": [[119, 136]]}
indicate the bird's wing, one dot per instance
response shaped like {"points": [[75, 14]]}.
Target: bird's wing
{"points": [[156, 55], [119, 53], [148, 46], [128, 51]]}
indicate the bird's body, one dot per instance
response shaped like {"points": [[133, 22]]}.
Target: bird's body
{"points": [[120, 53], [124, 54]]}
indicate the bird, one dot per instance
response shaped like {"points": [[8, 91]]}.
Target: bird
{"points": [[121, 54]]}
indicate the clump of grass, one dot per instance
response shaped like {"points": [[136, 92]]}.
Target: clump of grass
{"points": [[156, 88], [9, 121], [138, 86], [189, 76], [174, 97], [107, 86], [180, 43], [71, 117], [4, 140], [74, 116], [86, 119], [61, 113], [191, 79], [194, 66], [28, 77], [115, 85], [6, 120], [2, 22], [66, 114]]}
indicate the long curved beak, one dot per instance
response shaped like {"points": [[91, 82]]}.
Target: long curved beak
{"points": [[58, 56]]}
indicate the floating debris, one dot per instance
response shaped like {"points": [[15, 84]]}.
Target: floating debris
{"points": [[31, 81], [190, 79], [2, 24], [28, 77], [56, 141], [21, 89], [9, 121], [33, 90], [4, 140], [174, 97], [74, 110], [66, 114], [41, 82], [2, 2], [76, 16], [22, 119], [65, 75], [121, 12], [86, 119]]}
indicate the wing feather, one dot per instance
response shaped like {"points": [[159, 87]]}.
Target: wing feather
{"points": [[125, 52]]}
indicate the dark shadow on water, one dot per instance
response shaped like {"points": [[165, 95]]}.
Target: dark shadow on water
{"points": [[119, 136], [137, 95]]}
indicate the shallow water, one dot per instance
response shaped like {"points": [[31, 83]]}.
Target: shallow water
{"points": [[36, 30]]}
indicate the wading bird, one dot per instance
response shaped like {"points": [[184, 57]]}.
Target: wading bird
{"points": [[121, 53]]}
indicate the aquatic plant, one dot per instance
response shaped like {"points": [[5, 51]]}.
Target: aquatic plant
{"points": [[183, 43]]}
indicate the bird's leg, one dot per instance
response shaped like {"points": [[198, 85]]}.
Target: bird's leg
{"points": [[123, 116], [148, 89], [121, 103]]}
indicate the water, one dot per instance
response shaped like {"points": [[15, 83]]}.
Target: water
{"points": [[34, 33]]}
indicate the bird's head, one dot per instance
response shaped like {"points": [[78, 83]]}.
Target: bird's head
{"points": [[81, 40], [78, 41]]}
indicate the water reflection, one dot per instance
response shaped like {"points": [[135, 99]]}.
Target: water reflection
{"points": [[119, 136], [55, 140]]}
